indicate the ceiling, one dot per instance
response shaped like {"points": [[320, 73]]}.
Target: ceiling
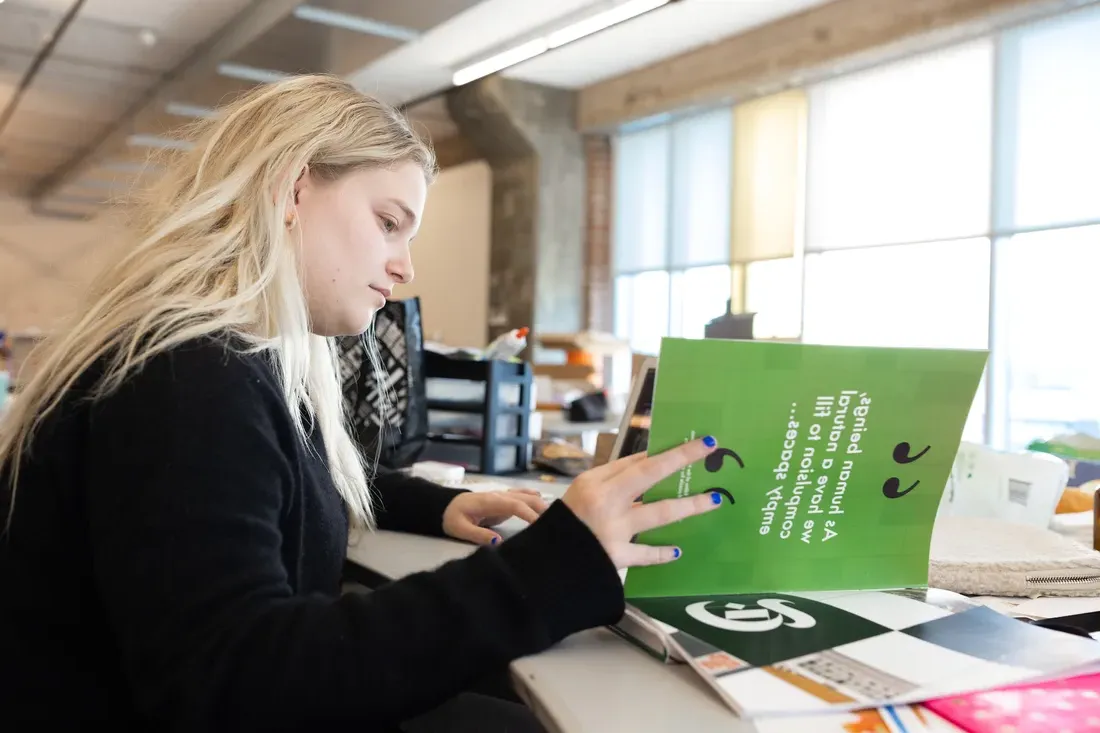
{"points": [[112, 77], [680, 27]]}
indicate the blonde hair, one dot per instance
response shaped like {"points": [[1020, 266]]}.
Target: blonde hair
{"points": [[214, 254]]}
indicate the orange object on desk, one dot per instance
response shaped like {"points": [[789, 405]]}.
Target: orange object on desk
{"points": [[579, 357]]}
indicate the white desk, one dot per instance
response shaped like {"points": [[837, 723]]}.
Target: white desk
{"points": [[594, 681]]}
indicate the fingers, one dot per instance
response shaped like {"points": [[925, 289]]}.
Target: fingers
{"points": [[641, 476], [644, 517], [500, 506], [638, 555], [470, 532], [527, 492], [525, 512], [533, 501], [613, 468]]}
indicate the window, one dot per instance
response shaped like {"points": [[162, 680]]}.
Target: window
{"points": [[699, 295], [1048, 352], [642, 309], [1046, 256], [773, 291], [951, 199], [1051, 79], [901, 153], [898, 198], [672, 228], [933, 295]]}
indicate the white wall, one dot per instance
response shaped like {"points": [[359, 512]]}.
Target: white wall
{"points": [[45, 264], [451, 257]]}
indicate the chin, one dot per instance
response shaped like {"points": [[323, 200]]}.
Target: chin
{"points": [[354, 325], [364, 323]]}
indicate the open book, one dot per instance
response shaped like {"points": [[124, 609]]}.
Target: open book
{"points": [[807, 591]]}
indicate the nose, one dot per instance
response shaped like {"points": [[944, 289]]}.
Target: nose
{"points": [[400, 267]]}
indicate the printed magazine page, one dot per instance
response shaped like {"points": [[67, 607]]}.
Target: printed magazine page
{"points": [[811, 653], [832, 461]]}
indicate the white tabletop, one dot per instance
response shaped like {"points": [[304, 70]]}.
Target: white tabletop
{"points": [[593, 682]]}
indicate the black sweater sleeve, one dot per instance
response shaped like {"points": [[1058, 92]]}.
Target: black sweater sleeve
{"points": [[409, 504], [186, 489]]}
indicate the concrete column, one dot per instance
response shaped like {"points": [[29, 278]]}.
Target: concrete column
{"points": [[526, 133]]}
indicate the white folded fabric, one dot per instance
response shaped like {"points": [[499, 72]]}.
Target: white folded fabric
{"points": [[978, 556]]}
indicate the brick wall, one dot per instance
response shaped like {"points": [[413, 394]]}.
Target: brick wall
{"points": [[598, 282]]}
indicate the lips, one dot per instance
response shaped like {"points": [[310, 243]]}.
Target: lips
{"points": [[386, 293]]}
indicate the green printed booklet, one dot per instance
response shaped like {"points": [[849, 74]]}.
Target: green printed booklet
{"points": [[806, 592]]}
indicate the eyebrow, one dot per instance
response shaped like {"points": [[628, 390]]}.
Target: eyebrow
{"points": [[406, 210]]}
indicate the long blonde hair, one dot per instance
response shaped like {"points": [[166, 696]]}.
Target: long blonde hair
{"points": [[213, 254]]}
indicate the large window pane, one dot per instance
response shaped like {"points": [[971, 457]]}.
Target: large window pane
{"points": [[901, 153], [1057, 111], [773, 291], [699, 295], [640, 235], [701, 198], [921, 295], [1046, 343], [641, 309]]}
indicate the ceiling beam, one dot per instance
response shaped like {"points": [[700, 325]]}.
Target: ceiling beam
{"points": [[454, 150], [828, 39], [148, 115]]}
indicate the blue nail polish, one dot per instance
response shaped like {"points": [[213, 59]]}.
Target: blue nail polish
{"points": [[676, 553], [494, 540], [709, 441], [715, 498]]}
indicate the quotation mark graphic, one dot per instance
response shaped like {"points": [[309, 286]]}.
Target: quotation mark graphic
{"points": [[714, 462], [902, 458]]}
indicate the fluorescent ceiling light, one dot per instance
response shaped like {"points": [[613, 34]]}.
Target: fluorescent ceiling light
{"points": [[155, 141], [355, 23], [181, 109], [251, 73], [600, 21], [503, 60], [555, 39]]}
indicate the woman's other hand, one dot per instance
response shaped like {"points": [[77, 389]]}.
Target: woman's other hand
{"points": [[470, 515], [604, 499]]}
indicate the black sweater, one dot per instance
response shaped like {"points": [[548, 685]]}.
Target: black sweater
{"points": [[174, 563]]}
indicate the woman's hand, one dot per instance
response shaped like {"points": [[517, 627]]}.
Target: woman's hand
{"points": [[604, 499], [469, 515]]}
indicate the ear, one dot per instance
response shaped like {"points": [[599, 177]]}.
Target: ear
{"points": [[303, 180]]}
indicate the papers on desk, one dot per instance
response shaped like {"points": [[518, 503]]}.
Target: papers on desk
{"points": [[831, 466], [889, 719], [816, 653]]}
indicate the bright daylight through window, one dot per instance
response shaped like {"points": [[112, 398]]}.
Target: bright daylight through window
{"points": [[954, 193]]}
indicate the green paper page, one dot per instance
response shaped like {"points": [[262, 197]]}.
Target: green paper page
{"points": [[835, 459]]}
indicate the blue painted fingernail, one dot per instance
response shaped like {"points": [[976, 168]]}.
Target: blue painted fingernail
{"points": [[715, 498], [494, 540], [709, 441], [676, 553]]}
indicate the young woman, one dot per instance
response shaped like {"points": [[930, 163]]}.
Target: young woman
{"points": [[181, 484]]}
